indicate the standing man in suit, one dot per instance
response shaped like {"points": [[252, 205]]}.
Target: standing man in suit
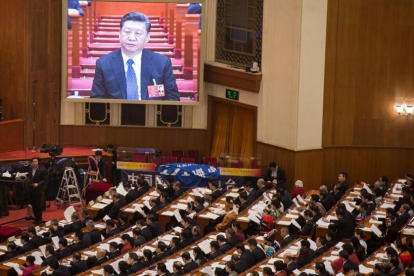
{"points": [[39, 176], [276, 173], [343, 185], [128, 72], [101, 165]]}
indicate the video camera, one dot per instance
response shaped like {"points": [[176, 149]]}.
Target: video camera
{"points": [[53, 150]]}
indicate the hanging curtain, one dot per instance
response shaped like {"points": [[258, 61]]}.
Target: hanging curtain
{"points": [[233, 131]]}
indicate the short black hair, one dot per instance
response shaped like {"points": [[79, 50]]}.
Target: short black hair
{"points": [[114, 245], [272, 165], [279, 265], [252, 242], [394, 261], [109, 269], [25, 237], [36, 158], [231, 265], [110, 223], [186, 256], [98, 153], [79, 234], [267, 270], [77, 256], [50, 249], [320, 267], [31, 230], [30, 259], [215, 245], [345, 174], [63, 242], [162, 267], [240, 246], [138, 17]]}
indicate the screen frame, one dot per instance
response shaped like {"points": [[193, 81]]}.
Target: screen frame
{"points": [[64, 59]]}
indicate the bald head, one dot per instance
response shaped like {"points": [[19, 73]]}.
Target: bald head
{"points": [[100, 253], [260, 183]]}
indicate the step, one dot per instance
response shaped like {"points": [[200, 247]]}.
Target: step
{"points": [[119, 17], [114, 46], [102, 53], [116, 29], [90, 73], [116, 40], [116, 34], [117, 24]]}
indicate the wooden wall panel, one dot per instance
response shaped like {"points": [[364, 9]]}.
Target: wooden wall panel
{"points": [[165, 139], [114, 8], [369, 62], [13, 66]]}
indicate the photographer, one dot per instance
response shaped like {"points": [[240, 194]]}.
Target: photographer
{"points": [[39, 175]]}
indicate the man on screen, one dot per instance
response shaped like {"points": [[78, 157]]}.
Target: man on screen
{"points": [[131, 72]]}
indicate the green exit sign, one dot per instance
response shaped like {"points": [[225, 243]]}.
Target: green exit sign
{"points": [[232, 94]]}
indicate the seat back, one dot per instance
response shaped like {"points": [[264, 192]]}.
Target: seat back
{"points": [[170, 159], [194, 154], [141, 158], [187, 160], [207, 160], [178, 153]]}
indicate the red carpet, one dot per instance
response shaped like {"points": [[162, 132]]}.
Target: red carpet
{"points": [[50, 213]]}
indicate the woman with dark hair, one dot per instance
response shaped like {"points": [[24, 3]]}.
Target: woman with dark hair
{"points": [[29, 266], [199, 257], [358, 248], [306, 254], [108, 270], [123, 268], [128, 243]]}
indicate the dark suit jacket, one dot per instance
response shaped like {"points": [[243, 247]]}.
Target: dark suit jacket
{"points": [[253, 195], [216, 194], [343, 227], [307, 228], [225, 247], [131, 195], [216, 254], [112, 255], [281, 176], [190, 266], [259, 254], [321, 250], [78, 267], [77, 247], [176, 195], [291, 267], [73, 227], [60, 254], [40, 177], [36, 241], [48, 260], [146, 233], [156, 229], [261, 191], [113, 213], [26, 247], [140, 240], [85, 220], [113, 231], [110, 81], [241, 266], [93, 261], [161, 256], [61, 271], [95, 235], [248, 256], [394, 272], [285, 241], [102, 167], [124, 226], [243, 206]]}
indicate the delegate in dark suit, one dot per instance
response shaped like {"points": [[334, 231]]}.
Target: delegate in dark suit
{"points": [[188, 267], [131, 195], [113, 213], [40, 177], [110, 81]]}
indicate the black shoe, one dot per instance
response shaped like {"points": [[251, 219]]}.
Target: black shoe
{"points": [[29, 218], [19, 207], [37, 222]]}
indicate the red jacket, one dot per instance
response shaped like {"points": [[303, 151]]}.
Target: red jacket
{"points": [[27, 271], [297, 191]]}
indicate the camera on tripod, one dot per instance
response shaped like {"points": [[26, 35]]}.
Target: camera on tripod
{"points": [[52, 149]]}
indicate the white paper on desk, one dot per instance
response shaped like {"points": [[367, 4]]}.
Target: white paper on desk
{"points": [[330, 258], [373, 221], [339, 245], [233, 194], [328, 267], [146, 198], [312, 244], [209, 215], [2, 253], [154, 193], [254, 218], [402, 180], [38, 257], [55, 241], [284, 222], [296, 202], [106, 217], [115, 265], [17, 268], [18, 242], [190, 199], [104, 246], [121, 189], [291, 216], [197, 193], [365, 270], [296, 271], [368, 189], [68, 213], [99, 272], [168, 213], [139, 210], [376, 231], [107, 201], [294, 222], [90, 253], [130, 210], [387, 205], [177, 215], [3, 247], [179, 206], [99, 205], [178, 229], [205, 246], [301, 200], [208, 270], [43, 250], [168, 237], [100, 226], [227, 258], [146, 203]]}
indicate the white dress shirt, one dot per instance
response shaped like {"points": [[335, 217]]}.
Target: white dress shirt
{"points": [[137, 68]]}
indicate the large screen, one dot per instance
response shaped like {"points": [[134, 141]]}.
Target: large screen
{"points": [[132, 52]]}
